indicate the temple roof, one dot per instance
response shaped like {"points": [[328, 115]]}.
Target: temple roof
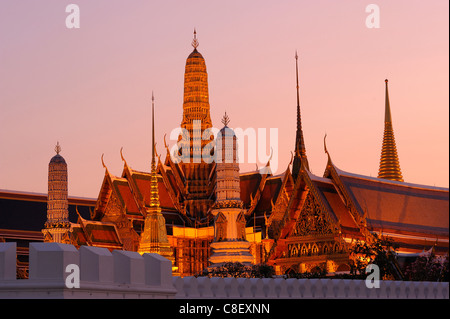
{"points": [[95, 233], [28, 211], [269, 194], [249, 185], [398, 206]]}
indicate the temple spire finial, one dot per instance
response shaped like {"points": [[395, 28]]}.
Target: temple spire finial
{"points": [[225, 119], [389, 162], [57, 148], [153, 129], [154, 194], [298, 95], [387, 114], [300, 149], [195, 41]]}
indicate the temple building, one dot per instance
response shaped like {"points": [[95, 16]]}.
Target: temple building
{"points": [[57, 225], [200, 213]]}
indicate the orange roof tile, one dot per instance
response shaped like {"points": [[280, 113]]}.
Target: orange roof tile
{"points": [[399, 206], [249, 185]]}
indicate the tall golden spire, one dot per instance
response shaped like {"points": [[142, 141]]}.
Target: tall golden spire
{"points": [[154, 237], [196, 109], [154, 193], [389, 163], [300, 149]]}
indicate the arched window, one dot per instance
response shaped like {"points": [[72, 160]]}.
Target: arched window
{"points": [[315, 250], [294, 251], [336, 248], [304, 251]]}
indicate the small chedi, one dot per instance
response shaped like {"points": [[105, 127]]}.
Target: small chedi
{"points": [[230, 244]]}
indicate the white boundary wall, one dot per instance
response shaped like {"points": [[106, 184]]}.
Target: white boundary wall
{"points": [[125, 274], [273, 288], [100, 273]]}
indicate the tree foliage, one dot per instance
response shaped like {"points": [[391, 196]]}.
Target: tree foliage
{"points": [[428, 267], [381, 252]]}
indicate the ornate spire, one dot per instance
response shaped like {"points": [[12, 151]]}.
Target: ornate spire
{"points": [[225, 119], [154, 192], [195, 41], [154, 237], [298, 87], [57, 225], [153, 131], [389, 163], [196, 110], [300, 149], [57, 148]]}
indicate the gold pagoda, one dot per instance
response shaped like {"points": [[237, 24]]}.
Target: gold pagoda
{"points": [[154, 237], [389, 163]]}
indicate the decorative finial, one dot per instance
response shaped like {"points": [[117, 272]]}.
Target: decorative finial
{"points": [[57, 148], [103, 163], [225, 119], [121, 155], [296, 75], [292, 158], [165, 144], [153, 128], [195, 41]]}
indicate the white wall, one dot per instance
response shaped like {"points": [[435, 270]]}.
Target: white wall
{"points": [[126, 274], [273, 288], [101, 274]]}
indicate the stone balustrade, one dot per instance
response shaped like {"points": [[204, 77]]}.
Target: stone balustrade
{"points": [[61, 271], [280, 288]]}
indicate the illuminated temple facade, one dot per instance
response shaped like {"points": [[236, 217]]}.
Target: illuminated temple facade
{"points": [[194, 212]]}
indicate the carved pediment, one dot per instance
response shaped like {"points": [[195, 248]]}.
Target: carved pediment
{"points": [[312, 220], [114, 210]]}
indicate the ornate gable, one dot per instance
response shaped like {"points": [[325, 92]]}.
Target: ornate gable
{"points": [[310, 234], [313, 220]]}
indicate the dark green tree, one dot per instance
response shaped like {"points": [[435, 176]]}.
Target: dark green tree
{"points": [[428, 267], [381, 252]]}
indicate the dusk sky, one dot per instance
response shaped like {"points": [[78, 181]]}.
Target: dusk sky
{"points": [[90, 87]]}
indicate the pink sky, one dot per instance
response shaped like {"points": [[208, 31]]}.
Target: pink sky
{"points": [[90, 88]]}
